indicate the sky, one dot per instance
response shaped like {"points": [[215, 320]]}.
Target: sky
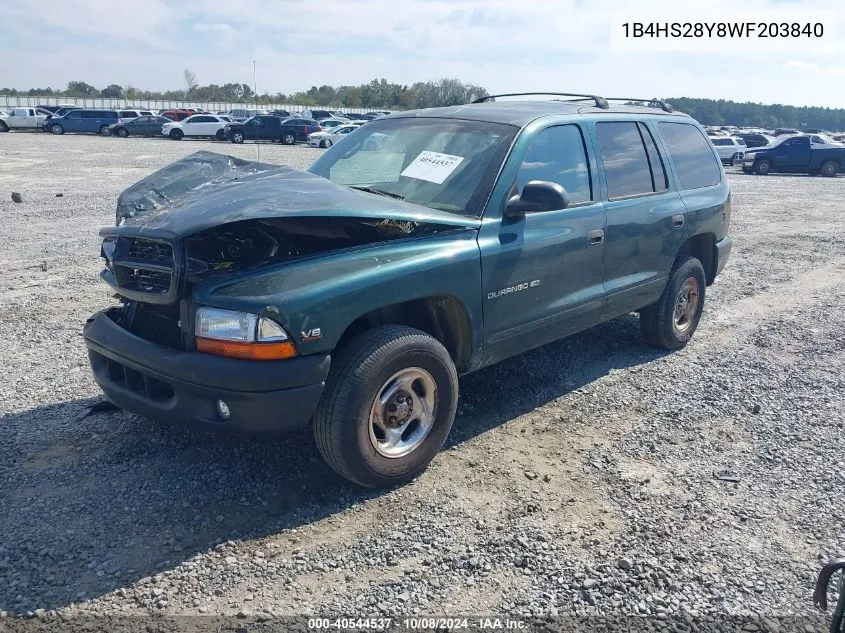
{"points": [[502, 45]]}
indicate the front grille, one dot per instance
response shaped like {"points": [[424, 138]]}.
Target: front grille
{"points": [[131, 379], [144, 265], [142, 250], [152, 281], [158, 324]]}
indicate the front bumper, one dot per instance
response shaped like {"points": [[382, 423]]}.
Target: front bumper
{"points": [[723, 251], [176, 386]]}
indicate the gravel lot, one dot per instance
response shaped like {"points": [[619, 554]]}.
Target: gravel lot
{"points": [[579, 478]]}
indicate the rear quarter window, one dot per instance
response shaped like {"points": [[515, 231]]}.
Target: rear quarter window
{"points": [[692, 155]]}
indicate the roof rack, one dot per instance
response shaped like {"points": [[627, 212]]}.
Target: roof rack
{"points": [[666, 107], [600, 102]]}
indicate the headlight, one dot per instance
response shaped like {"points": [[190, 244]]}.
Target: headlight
{"points": [[750, 155], [241, 335]]}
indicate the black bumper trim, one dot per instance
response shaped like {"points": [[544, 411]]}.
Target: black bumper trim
{"points": [[159, 382]]}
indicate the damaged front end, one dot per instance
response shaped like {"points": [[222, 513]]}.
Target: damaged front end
{"points": [[210, 216]]}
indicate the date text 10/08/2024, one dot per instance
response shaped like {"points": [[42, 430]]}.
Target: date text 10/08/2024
{"points": [[417, 624]]}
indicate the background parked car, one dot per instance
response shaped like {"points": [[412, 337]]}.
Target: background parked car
{"points": [[126, 115], [756, 139], [785, 130], [242, 114], [329, 137], [197, 125], [23, 119], [54, 108], [297, 129], [316, 114], [90, 121], [264, 127], [730, 149], [332, 122], [284, 114], [139, 126], [175, 115]]}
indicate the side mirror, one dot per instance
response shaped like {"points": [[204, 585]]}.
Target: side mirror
{"points": [[537, 196]]}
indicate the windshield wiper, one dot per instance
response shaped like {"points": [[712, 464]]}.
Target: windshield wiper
{"points": [[378, 192]]}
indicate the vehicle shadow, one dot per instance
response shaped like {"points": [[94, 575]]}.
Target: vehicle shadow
{"points": [[100, 501]]}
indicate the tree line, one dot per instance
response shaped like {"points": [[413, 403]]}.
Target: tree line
{"points": [[722, 112], [379, 93]]}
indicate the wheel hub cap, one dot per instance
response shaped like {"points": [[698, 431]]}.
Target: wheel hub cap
{"points": [[403, 412], [686, 305]]}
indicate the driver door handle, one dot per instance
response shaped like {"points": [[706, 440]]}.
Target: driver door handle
{"points": [[595, 237]]}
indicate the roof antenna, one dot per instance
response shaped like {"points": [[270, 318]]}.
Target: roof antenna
{"points": [[255, 91]]}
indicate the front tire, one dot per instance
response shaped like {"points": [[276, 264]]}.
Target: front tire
{"points": [[764, 167], [829, 169], [388, 406], [104, 131], [288, 139], [57, 129], [238, 137], [122, 132], [176, 135], [3, 127], [672, 320]]}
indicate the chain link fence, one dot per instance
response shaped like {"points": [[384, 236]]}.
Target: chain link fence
{"points": [[17, 101]]}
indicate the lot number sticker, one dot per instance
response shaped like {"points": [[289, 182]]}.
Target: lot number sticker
{"points": [[432, 166]]}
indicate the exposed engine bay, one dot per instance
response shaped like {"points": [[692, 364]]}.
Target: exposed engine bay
{"points": [[251, 244]]}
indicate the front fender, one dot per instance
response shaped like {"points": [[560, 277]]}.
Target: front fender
{"points": [[328, 292]]}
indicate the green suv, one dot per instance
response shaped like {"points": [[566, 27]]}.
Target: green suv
{"points": [[422, 246]]}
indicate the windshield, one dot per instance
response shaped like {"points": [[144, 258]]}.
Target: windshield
{"points": [[445, 164]]}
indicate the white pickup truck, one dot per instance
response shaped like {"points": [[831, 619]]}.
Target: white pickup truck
{"points": [[23, 119]]}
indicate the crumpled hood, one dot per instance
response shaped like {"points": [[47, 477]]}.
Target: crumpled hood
{"points": [[208, 189]]}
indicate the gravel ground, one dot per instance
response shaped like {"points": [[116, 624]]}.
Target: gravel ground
{"points": [[579, 478]]}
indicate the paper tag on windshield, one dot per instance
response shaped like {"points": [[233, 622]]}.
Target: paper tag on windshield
{"points": [[432, 166]]}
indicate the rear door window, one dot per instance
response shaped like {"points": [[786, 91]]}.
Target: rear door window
{"points": [[689, 150], [625, 159], [655, 160]]}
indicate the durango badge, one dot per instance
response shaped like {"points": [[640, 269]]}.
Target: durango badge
{"points": [[311, 335]]}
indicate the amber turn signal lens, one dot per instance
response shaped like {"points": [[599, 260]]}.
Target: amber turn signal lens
{"points": [[247, 351]]}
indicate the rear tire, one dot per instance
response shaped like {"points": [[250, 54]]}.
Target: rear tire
{"points": [[288, 138], [764, 167], [104, 131], [829, 169], [3, 127], [672, 320], [176, 135], [365, 442]]}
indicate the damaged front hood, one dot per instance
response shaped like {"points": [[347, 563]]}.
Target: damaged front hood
{"points": [[207, 189]]}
